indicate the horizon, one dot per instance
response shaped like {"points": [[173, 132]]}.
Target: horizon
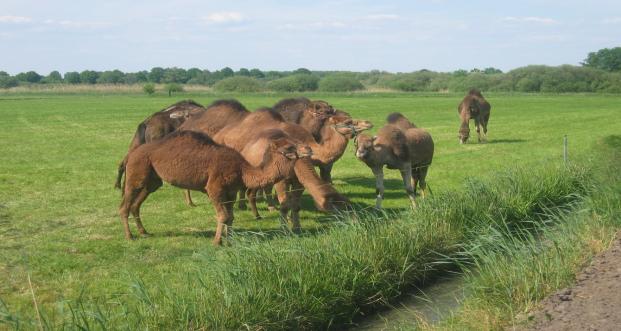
{"points": [[341, 35]]}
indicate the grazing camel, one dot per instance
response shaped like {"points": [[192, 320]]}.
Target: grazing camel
{"points": [[238, 135], [193, 161], [398, 145], [473, 106], [159, 125], [313, 115]]}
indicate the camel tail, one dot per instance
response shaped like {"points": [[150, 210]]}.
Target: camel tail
{"points": [[139, 139], [325, 196]]}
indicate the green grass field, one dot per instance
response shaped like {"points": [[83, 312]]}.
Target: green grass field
{"points": [[58, 210]]}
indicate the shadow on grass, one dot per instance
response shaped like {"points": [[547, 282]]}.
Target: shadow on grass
{"points": [[506, 141]]}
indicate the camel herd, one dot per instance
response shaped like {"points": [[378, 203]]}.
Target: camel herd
{"points": [[226, 151]]}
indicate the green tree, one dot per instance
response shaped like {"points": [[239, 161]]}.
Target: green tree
{"points": [[89, 77], [256, 73], [72, 77], [608, 59], [53, 78], [243, 72], [149, 88], [156, 74], [239, 84], [340, 83], [173, 88], [6, 81], [302, 71], [227, 72], [175, 75], [111, 77], [294, 83], [29, 77]]}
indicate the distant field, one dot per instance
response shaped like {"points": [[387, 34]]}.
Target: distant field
{"points": [[58, 158]]}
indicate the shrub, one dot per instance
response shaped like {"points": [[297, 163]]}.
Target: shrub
{"points": [[241, 84], [340, 83], [149, 88], [173, 88], [7, 81], [295, 83]]}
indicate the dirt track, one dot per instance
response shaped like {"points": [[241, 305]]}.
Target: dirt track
{"points": [[593, 303]]}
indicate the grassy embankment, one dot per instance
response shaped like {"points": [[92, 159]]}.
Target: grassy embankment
{"points": [[59, 224]]}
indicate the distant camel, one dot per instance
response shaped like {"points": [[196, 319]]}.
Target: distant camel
{"points": [[159, 125], [193, 161], [473, 106], [398, 145]]}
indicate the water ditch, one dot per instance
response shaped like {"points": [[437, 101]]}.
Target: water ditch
{"points": [[429, 305]]}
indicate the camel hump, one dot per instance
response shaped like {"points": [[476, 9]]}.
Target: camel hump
{"points": [[396, 140], [189, 103], [400, 121], [475, 92], [292, 103], [268, 113], [193, 135], [229, 103]]}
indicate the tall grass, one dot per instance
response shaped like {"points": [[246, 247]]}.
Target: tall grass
{"points": [[514, 272], [327, 280]]}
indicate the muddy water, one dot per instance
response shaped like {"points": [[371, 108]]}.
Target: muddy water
{"points": [[431, 305]]}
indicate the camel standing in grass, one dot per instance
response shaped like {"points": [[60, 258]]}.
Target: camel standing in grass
{"points": [[398, 145], [193, 161], [238, 135], [313, 116], [159, 125], [473, 106]]}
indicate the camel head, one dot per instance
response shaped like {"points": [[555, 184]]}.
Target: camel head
{"points": [[464, 133], [342, 124], [320, 109], [361, 125], [365, 146]]}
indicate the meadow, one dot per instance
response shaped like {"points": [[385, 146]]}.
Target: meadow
{"points": [[61, 238]]}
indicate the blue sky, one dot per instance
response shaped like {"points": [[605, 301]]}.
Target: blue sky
{"points": [[441, 35]]}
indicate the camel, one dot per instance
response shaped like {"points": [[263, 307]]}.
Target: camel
{"points": [[338, 131], [159, 125], [312, 115], [193, 161], [398, 145], [473, 106]]}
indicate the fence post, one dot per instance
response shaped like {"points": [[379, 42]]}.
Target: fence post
{"points": [[565, 152]]}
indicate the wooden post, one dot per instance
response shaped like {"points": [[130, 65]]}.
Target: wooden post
{"points": [[565, 152]]}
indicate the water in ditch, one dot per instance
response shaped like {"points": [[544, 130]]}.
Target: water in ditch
{"points": [[430, 305]]}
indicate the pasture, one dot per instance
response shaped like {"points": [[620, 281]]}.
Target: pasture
{"points": [[59, 227]]}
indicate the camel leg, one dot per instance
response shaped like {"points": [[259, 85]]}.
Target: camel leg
{"points": [[128, 198], [484, 124], [477, 124], [271, 204], [241, 203], [379, 186], [217, 197], [252, 199], [188, 199], [296, 196], [325, 172], [415, 177], [406, 175], [284, 197], [422, 183], [152, 185]]}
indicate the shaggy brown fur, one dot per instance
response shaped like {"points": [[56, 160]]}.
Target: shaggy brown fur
{"points": [[159, 125], [192, 161], [473, 106], [238, 135], [313, 116], [398, 145]]}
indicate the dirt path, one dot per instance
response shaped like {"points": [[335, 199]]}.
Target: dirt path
{"points": [[593, 303]]}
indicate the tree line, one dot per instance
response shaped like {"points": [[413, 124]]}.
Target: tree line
{"points": [[600, 72]]}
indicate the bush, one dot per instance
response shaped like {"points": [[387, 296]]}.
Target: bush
{"points": [[149, 88], [7, 81], [295, 83], [241, 84], [173, 87], [340, 83]]}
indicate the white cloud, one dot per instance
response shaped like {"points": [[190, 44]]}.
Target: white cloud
{"points": [[224, 17], [530, 19], [612, 20], [76, 24], [15, 19]]}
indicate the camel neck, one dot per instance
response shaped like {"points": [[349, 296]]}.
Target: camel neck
{"points": [[332, 146]]}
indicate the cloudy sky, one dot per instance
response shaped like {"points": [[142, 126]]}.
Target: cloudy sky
{"points": [[441, 35]]}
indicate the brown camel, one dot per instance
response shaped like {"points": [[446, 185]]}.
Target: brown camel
{"points": [[159, 125], [237, 136], [313, 115], [398, 145], [191, 160], [473, 106]]}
